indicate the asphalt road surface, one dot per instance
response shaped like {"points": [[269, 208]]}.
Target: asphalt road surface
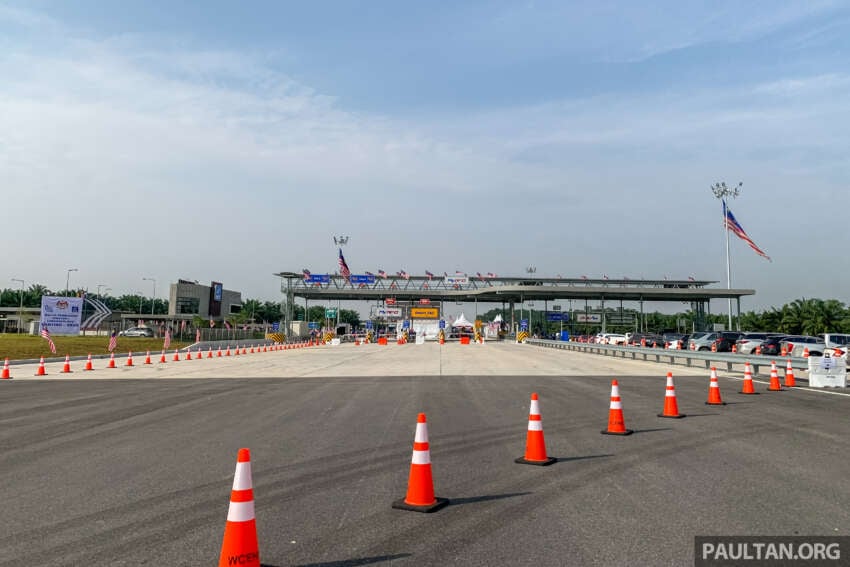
{"points": [[115, 468]]}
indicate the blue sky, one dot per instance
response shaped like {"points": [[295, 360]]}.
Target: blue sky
{"points": [[229, 141]]}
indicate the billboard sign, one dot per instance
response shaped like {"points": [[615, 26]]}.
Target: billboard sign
{"points": [[388, 312], [216, 293], [61, 315], [424, 301], [424, 312], [390, 301], [330, 313], [312, 325], [362, 279], [589, 317], [555, 317], [405, 324]]}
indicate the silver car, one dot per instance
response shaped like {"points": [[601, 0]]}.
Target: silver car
{"points": [[702, 341], [749, 341], [796, 345]]}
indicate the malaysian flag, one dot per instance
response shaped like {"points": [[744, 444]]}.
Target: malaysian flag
{"points": [[167, 342], [491, 275], [735, 227], [382, 273], [113, 341], [691, 279], [343, 267], [45, 334], [306, 273], [198, 336], [182, 325], [227, 325], [604, 277], [584, 277], [404, 274], [480, 277], [369, 274], [429, 274]]}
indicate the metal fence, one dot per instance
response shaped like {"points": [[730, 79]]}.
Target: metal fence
{"points": [[760, 365]]}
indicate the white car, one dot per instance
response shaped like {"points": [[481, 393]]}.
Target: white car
{"points": [[610, 339]]}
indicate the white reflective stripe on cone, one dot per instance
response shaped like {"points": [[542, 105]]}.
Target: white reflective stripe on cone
{"points": [[616, 405], [421, 458], [421, 433], [615, 391], [242, 478], [535, 425], [535, 407], [240, 511], [671, 393]]}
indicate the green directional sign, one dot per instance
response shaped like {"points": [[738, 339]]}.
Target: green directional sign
{"points": [[330, 313]]}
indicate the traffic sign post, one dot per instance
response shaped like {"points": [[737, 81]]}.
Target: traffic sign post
{"points": [[330, 313]]}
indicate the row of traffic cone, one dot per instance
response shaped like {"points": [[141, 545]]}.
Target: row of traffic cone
{"points": [[240, 545], [66, 367]]}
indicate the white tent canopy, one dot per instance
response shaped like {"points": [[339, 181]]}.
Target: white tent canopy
{"points": [[461, 322], [498, 318]]}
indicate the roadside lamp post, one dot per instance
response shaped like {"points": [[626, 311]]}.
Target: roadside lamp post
{"points": [[530, 270], [153, 297], [21, 308], [68, 278], [100, 285]]}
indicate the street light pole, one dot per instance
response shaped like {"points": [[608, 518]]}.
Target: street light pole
{"points": [[721, 191], [21, 308], [68, 278], [153, 297], [530, 270]]}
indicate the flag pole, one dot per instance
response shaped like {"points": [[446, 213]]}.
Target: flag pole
{"points": [[721, 191]]}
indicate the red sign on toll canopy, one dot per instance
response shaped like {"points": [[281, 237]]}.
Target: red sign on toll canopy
{"points": [[424, 301], [390, 301]]}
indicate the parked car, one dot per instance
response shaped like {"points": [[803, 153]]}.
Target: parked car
{"points": [[836, 341], [772, 346], [795, 345], [702, 341], [747, 343], [725, 340], [676, 341], [137, 332], [650, 339]]}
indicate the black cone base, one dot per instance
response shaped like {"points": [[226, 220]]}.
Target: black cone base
{"points": [[524, 461], [626, 432], [749, 393], [715, 403], [679, 416], [439, 503]]}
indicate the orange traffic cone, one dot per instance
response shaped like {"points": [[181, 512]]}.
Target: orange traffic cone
{"points": [[66, 368], [240, 546], [783, 352], [41, 371], [616, 425], [714, 398], [218, 352], [774, 379], [209, 353], [265, 348], [188, 354], [535, 447], [734, 349], [805, 352], [129, 358], [713, 347], [6, 375], [176, 357], [162, 357], [758, 349], [88, 364], [420, 485], [111, 360], [227, 353], [790, 382], [148, 357], [748, 381], [198, 354], [671, 406], [252, 349], [236, 351]]}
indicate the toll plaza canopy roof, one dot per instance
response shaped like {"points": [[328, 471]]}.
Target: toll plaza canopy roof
{"points": [[499, 289]]}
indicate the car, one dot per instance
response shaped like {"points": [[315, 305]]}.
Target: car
{"points": [[747, 343], [136, 332], [772, 346], [725, 340], [648, 339], [836, 342], [702, 341], [676, 341], [796, 345]]}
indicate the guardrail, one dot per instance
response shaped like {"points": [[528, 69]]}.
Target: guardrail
{"points": [[682, 357]]}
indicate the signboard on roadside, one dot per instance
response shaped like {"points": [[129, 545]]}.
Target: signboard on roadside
{"points": [[318, 278], [442, 323], [589, 317], [390, 301], [330, 313], [362, 279], [424, 301], [456, 280], [312, 325], [61, 315], [424, 312], [555, 317]]}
